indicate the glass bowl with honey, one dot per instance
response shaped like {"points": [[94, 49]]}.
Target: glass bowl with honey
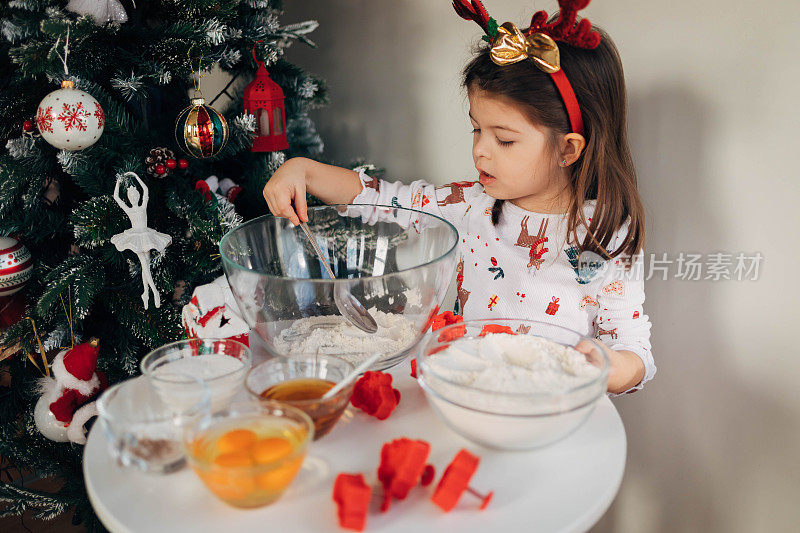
{"points": [[301, 380], [250, 452]]}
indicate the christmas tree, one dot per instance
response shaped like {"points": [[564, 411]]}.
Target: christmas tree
{"points": [[139, 61]]}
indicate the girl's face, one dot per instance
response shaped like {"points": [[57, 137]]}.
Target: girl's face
{"points": [[513, 156]]}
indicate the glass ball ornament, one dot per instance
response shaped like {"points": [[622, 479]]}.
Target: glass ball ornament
{"points": [[70, 119], [16, 266], [200, 130]]}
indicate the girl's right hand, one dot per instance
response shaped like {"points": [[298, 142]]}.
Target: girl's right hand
{"points": [[285, 192]]}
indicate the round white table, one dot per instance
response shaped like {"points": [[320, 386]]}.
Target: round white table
{"points": [[562, 488]]}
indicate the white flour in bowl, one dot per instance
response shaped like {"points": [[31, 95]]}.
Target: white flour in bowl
{"points": [[505, 363], [512, 392], [334, 335]]}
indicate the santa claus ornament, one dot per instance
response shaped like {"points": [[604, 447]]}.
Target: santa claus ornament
{"points": [[67, 399], [212, 313]]}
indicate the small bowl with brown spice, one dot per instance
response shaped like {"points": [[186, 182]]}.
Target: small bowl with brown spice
{"points": [[143, 431]]}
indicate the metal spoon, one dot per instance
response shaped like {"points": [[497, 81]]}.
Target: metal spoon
{"points": [[347, 304]]}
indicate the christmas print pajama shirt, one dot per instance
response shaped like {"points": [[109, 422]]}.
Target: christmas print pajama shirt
{"points": [[524, 267]]}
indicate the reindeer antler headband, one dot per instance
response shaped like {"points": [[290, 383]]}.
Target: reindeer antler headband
{"points": [[538, 42]]}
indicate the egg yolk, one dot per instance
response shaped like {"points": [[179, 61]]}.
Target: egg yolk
{"points": [[269, 450], [236, 441], [234, 459]]}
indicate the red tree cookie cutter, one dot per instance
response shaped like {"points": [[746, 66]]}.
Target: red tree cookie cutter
{"points": [[402, 467]]}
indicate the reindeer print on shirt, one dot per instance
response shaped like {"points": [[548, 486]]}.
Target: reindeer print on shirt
{"points": [[456, 195], [463, 294], [373, 183], [534, 242]]}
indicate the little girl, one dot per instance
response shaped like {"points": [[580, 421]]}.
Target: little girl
{"points": [[553, 229]]}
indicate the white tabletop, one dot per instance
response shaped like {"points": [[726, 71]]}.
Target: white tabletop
{"points": [[562, 488]]}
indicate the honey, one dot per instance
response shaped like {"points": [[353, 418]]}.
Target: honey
{"points": [[306, 394], [298, 390]]}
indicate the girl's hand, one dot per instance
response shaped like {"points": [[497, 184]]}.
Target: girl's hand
{"points": [[285, 191], [626, 369]]}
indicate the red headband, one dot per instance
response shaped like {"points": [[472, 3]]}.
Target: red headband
{"points": [[510, 45]]}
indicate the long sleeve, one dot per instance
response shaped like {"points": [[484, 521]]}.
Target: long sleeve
{"points": [[621, 322], [449, 202]]}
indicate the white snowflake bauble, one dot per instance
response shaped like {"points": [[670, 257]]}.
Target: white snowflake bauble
{"points": [[70, 119], [16, 266], [46, 421]]}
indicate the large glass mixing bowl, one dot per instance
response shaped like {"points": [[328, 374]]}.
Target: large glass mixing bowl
{"points": [[397, 262]]}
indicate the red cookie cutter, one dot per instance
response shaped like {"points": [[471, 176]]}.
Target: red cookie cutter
{"points": [[445, 319], [495, 328], [373, 394], [403, 466], [352, 495], [455, 481]]}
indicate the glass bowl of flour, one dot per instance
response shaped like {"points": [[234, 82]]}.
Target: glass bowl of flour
{"points": [[522, 388], [397, 262], [221, 364]]}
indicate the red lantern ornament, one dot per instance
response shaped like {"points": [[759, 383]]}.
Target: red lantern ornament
{"points": [[263, 98]]}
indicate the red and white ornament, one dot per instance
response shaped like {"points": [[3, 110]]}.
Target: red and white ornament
{"points": [[16, 266], [223, 189], [70, 119], [66, 401], [212, 313]]}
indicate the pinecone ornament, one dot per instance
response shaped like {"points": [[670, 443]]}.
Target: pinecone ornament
{"points": [[50, 193], [159, 162]]}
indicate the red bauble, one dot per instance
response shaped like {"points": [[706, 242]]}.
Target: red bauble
{"points": [[27, 126], [171, 164], [160, 169], [183, 164]]}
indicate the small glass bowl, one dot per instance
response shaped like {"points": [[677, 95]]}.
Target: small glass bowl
{"points": [[249, 453], [282, 379], [510, 420], [142, 430], [220, 363]]}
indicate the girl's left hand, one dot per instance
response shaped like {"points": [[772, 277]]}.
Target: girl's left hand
{"points": [[626, 369]]}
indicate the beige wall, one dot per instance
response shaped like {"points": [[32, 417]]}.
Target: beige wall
{"points": [[714, 441]]}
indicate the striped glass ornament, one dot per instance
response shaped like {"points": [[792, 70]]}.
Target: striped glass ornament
{"points": [[200, 130]]}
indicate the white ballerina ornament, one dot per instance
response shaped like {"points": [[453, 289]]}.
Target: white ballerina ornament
{"points": [[139, 238], [102, 11]]}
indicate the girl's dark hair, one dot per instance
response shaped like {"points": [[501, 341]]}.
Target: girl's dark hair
{"points": [[604, 171]]}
